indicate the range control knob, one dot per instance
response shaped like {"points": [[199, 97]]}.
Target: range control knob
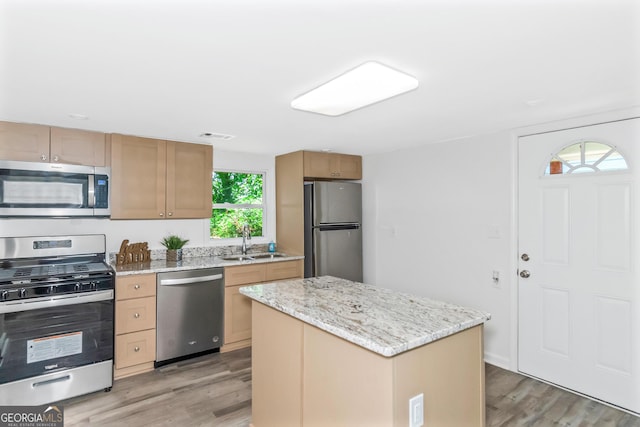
{"points": [[4, 295], [77, 287], [22, 293]]}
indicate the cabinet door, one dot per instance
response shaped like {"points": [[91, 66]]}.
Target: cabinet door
{"points": [[283, 270], [25, 143], [74, 146], [332, 165], [138, 173], [244, 274], [189, 175], [319, 165], [237, 315], [350, 167]]}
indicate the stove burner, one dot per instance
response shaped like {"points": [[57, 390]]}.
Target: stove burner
{"points": [[39, 277]]}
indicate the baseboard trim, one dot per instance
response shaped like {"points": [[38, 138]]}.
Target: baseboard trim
{"points": [[499, 361]]}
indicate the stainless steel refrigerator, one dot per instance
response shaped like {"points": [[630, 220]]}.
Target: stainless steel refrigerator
{"points": [[332, 229]]}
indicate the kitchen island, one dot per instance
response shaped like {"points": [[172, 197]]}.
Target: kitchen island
{"points": [[331, 352]]}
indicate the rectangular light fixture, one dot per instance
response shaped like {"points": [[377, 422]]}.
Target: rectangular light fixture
{"points": [[366, 84]]}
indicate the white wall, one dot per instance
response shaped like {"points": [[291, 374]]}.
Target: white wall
{"points": [[152, 231], [440, 218], [437, 223]]}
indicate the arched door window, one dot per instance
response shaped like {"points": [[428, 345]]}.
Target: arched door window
{"points": [[586, 157]]}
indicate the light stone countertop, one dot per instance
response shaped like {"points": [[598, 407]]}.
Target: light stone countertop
{"points": [[382, 320], [192, 263]]}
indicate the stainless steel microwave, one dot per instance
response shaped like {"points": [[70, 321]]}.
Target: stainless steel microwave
{"points": [[53, 190]]}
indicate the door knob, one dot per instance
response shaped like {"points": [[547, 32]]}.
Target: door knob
{"points": [[525, 257], [525, 273]]}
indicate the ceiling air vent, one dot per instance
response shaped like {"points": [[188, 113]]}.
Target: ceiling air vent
{"points": [[221, 136]]}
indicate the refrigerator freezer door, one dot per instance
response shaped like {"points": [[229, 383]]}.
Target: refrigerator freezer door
{"points": [[337, 202], [338, 252]]}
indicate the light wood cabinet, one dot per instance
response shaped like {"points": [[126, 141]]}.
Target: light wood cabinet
{"points": [[157, 179], [24, 142], [291, 171], [79, 147], [38, 143], [319, 165], [304, 376], [237, 307], [135, 324]]}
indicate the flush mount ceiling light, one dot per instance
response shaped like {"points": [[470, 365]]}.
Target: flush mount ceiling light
{"points": [[366, 84]]}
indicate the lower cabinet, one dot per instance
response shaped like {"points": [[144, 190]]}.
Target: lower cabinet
{"points": [[237, 307], [135, 328]]}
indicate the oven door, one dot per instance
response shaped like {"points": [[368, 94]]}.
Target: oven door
{"points": [[45, 335]]}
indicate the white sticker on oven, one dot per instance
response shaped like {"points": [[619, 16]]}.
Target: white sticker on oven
{"points": [[53, 347]]}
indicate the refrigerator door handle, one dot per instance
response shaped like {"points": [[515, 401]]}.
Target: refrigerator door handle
{"points": [[330, 227]]}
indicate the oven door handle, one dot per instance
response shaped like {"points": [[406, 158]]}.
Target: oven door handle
{"points": [[48, 302]]}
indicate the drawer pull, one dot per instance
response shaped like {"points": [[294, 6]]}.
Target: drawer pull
{"points": [[136, 315], [136, 287], [136, 349]]}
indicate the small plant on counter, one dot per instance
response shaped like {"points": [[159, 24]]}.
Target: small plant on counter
{"points": [[174, 242], [174, 246]]}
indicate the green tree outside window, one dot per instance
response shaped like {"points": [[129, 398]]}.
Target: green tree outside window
{"points": [[238, 198]]}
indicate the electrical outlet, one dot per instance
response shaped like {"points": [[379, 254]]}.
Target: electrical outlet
{"points": [[416, 411]]}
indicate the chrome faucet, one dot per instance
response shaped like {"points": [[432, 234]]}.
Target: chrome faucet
{"points": [[246, 235]]}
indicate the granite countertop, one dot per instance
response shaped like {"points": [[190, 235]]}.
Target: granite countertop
{"points": [[384, 321], [193, 263]]}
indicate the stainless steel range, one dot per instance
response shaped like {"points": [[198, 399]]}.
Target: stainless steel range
{"points": [[56, 318]]}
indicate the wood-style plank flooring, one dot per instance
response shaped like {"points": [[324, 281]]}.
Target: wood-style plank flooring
{"points": [[215, 390]]}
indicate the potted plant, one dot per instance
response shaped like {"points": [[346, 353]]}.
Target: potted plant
{"points": [[174, 246]]}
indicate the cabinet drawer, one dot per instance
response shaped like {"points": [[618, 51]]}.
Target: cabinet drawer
{"points": [[284, 270], [135, 348], [135, 315], [135, 286], [245, 274]]}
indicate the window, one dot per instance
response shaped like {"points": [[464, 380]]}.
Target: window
{"points": [[586, 157], [238, 198]]}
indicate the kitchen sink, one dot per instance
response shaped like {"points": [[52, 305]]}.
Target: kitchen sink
{"points": [[249, 257]]}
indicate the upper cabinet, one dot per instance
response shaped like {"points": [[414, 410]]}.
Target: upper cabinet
{"points": [[74, 146], [322, 165], [38, 143], [157, 179]]}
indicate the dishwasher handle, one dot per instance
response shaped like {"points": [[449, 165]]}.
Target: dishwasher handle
{"points": [[189, 280]]}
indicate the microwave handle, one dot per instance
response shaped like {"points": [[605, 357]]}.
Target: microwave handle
{"points": [[91, 193]]}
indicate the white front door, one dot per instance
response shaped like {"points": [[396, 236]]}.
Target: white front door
{"points": [[578, 290]]}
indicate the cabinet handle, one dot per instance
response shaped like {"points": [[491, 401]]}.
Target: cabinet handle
{"points": [[170, 213], [55, 158], [136, 349], [43, 157], [137, 315], [161, 213], [136, 287]]}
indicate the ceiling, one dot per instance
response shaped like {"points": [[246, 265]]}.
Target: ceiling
{"points": [[176, 69]]}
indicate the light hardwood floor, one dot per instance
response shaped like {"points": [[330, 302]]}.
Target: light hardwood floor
{"points": [[215, 390]]}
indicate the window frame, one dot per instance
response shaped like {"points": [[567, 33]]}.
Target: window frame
{"points": [[262, 206]]}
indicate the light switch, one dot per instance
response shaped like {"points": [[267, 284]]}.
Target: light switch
{"points": [[416, 411]]}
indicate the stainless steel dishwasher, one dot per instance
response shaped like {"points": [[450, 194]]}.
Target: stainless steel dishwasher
{"points": [[190, 313]]}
